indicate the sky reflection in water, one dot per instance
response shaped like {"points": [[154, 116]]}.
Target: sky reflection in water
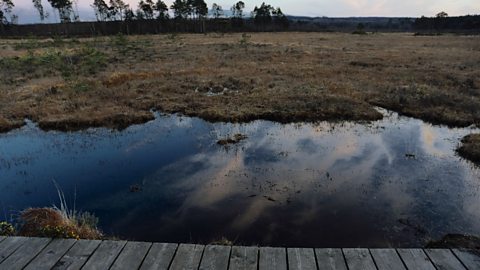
{"points": [[322, 185]]}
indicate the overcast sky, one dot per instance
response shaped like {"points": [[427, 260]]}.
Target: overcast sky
{"points": [[330, 8]]}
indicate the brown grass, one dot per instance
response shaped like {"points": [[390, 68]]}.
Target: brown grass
{"points": [[7, 125], [284, 77], [50, 222]]}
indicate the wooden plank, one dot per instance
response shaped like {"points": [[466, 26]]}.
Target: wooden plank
{"points": [[359, 259], [104, 255], [330, 259], [415, 259], [444, 259], [272, 259], [188, 257], [468, 257], [9, 245], [387, 259], [301, 258], [215, 257], [131, 256], [76, 257], [244, 258], [51, 254], [159, 256], [25, 253]]}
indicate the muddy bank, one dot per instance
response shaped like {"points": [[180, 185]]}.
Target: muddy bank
{"points": [[322, 109], [290, 109], [115, 121], [7, 125]]}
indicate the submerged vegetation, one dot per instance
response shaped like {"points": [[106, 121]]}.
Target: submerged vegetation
{"points": [[235, 139], [223, 241], [456, 241]]}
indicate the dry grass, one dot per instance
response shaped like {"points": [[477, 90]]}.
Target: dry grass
{"points": [[285, 77], [50, 222]]}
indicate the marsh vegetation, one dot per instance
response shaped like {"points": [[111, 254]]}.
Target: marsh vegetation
{"points": [[70, 84]]}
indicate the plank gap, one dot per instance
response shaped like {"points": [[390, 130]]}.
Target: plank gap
{"points": [[458, 258], [174, 254], [146, 254], [401, 259]]}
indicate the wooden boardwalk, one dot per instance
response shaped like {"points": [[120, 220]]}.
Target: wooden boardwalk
{"points": [[44, 253]]}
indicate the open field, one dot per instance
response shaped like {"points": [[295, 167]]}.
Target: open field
{"points": [[285, 77]]}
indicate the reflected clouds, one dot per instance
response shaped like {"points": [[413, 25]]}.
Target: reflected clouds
{"points": [[392, 182]]}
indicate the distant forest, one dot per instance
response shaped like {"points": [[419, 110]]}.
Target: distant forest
{"points": [[196, 17], [442, 22]]}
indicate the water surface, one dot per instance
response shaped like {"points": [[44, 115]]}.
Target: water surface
{"points": [[394, 182]]}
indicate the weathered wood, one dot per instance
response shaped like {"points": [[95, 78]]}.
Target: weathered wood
{"points": [[9, 245], [244, 258], [131, 256], [43, 253], [387, 259], [25, 253], [272, 259], [358, 259], [415, 259], [188, 257], [444, 259], [104, 255], [301, 258], [159, 256], [469, 258], [76, 257], [215, 258], [330, 259], [51, 254]]}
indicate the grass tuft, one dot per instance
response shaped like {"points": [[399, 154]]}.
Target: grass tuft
{"points": [[55, 223], [470, 148], [58, 222]]}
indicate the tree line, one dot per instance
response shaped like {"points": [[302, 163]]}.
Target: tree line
{"points": [[184, 10], [442, 22], [118, 10], [6, 16]]}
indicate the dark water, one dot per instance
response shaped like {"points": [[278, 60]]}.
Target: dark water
{"points": [[395, 182]]}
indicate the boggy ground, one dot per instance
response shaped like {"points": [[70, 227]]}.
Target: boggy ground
{"points": [[470, 148], [285, 77]]}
